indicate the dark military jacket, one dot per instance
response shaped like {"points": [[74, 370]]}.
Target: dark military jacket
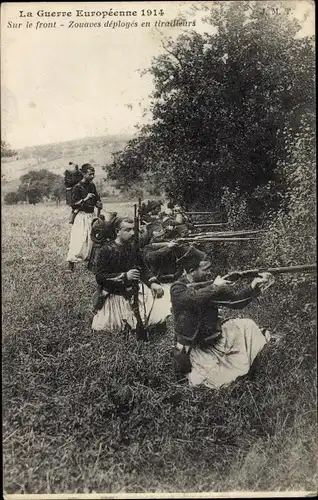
{"points": [[113, 262], [196, 310], [79, 192]]}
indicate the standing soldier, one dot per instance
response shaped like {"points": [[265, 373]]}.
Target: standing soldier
{"points": [[84, 200]]}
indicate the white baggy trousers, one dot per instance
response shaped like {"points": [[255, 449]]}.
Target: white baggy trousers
{"points": [[230, 358], [117, 311], [81, 243]]}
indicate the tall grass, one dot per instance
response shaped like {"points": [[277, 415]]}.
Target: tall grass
{"points": [[84, 411]]}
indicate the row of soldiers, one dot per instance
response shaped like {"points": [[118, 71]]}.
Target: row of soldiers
{"points": [[171, 278]]}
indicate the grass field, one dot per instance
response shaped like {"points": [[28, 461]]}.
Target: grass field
{"points": [[86, 412]]}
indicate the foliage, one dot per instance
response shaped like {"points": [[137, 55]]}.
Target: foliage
{"points": [[220, 105], [104, 188], [38, 184], [129, 165], [58, 189], [34, 194], [291, 236], [30, 193], [11, 198], [6, 151], [43, 179]]}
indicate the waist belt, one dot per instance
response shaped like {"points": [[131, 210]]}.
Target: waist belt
{"points": [[197, 339], [210, 340], [87, 210], [126, 293]]}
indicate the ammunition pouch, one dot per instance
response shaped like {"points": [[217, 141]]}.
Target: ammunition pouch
{"points": [[99, 300], [181, 361], [72, 217]]}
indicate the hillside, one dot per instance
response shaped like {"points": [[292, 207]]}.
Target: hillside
{"points": [[55, 157]]}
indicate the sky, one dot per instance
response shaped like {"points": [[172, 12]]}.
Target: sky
{"points": [[59, 84]]}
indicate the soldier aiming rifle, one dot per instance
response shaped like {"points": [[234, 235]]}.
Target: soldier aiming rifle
{"points": [[207, 350]]}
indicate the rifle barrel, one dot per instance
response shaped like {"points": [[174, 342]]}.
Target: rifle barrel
{"points": [[225, 233], [200, 213], [209, 240], [141, 333], [212, 224], [287, 269], [302, 268]]}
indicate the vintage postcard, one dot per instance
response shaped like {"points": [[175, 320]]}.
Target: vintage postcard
{"points": [[158, 183]]}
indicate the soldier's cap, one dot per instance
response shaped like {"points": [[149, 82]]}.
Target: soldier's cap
{"points": [[180, 227], [192, 258], [154, 226], [168, 221], [118, 220], [177, 231], [86, 167]]}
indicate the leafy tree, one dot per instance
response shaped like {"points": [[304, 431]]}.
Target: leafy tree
{"points": [[220, 105], [11, 198], [58, 190], [130, 164], [34, 194], [6, 151], [23, 192], [38, 183]]}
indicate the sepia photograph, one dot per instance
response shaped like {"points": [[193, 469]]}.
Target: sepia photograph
{"points": [[158, 201]]}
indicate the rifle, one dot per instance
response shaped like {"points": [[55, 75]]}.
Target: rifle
{"points": [[216, 234], [253, 273], [200, 213], [210, 224], [141, 332], [211, 239], [139, 210]]}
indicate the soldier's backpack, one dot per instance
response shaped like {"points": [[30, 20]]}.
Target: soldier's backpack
{"points": [[103, 228], [71, 178], [102, 231]]}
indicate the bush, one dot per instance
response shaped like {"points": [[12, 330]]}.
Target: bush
{"points": [[34, 194], [133, 193], [11, 198], [291, 236]]}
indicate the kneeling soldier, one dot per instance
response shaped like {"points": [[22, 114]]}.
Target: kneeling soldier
{"points": [[118, 267]]}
